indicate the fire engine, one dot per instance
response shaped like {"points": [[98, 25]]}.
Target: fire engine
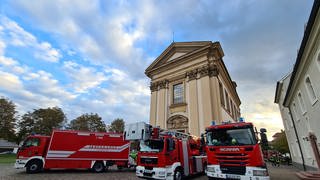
{"points": [[73, 149], [165, 154], [234, 153]]}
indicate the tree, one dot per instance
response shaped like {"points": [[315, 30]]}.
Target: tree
{"points": [[41, 121], [117, 125], [280, 143], [88, 122], [26, 126], [48, 119], [7, 119]]}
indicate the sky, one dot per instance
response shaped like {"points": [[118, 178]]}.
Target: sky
{"points": [[90, 56]]}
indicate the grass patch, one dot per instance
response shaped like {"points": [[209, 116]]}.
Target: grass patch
{"points": [[7, 158]]}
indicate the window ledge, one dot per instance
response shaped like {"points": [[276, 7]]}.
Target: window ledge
{"points": [[177, 105]]}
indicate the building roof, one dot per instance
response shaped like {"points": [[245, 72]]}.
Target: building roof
{"points": [[279, 87], [184, 48], [307, 32]]}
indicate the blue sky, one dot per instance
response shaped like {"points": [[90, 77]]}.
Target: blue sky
{"points": [[89, 56]]}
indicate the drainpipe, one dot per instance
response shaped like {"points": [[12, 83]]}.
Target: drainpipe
{"points": [[295, 130]]}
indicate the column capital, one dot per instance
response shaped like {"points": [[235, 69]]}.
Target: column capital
{"points": [[192, 75]]}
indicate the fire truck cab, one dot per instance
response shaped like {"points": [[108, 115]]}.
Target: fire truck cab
{"points": [[233, 152], [165, 154]]}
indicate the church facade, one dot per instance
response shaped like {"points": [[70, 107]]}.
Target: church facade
{"points": [[191, 87]]}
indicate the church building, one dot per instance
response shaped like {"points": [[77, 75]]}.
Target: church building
{"points": [[191, 87]]}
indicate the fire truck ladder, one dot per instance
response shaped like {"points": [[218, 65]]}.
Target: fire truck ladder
{"points": [[176, 134]]}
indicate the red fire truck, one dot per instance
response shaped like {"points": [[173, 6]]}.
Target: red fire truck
{"points": [[234, 153], [73, 149], [165, 154]]}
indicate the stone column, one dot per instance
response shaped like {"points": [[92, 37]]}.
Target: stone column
{"points": [[153, 104], [205, 99], [215, 95], [193, 111], [161, 104]]}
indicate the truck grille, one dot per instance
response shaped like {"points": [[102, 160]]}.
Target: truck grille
{"points": [[234, 159], [145, 160], [240, 170]]}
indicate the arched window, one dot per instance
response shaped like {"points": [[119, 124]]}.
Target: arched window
{"points": [[311, 92], [302, 104], [178, 123]]}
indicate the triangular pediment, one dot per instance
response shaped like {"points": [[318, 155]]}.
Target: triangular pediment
{"points": [[177, 51]]}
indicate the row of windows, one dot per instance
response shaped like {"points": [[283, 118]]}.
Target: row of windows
{"points": [[227, 103], [302, 105]]}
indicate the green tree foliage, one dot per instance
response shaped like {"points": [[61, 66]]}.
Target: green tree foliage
{"points": [[88, 122], [280, 143], [26, 126], [117, 125], [41, 121], [7, 119]]}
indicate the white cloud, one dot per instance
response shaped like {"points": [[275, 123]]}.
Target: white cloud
{"points": [[2, 46], [9, 82], [14, 35], [43, 83], [83, 78]]}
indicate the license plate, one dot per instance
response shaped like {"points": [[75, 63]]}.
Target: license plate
{"points": [[147, 171], [232, 176]]}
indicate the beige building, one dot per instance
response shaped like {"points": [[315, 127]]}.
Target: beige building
{"points": [[191, 87]]}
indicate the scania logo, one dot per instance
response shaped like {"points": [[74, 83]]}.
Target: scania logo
{"points": [[229, 149]]}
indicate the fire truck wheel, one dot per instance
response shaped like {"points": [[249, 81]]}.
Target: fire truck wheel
{"points": [[177, 174], [34, 166], [98, 167]]}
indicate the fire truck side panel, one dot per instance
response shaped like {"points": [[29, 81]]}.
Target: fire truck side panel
{"points": [[79, 145], [74, 149]]}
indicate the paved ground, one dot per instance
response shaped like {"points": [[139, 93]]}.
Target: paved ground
{"points": [[8, 172], [283, 172]]}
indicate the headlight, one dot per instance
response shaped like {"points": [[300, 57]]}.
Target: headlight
{"points": [[210, 169], [260, 173]]}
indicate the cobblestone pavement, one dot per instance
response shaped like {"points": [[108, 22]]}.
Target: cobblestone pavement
{"points": [[8, 172]]}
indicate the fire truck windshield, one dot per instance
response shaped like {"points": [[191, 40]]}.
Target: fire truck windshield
{"points": [[151, 145], [231, 137], [31, 142]]}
